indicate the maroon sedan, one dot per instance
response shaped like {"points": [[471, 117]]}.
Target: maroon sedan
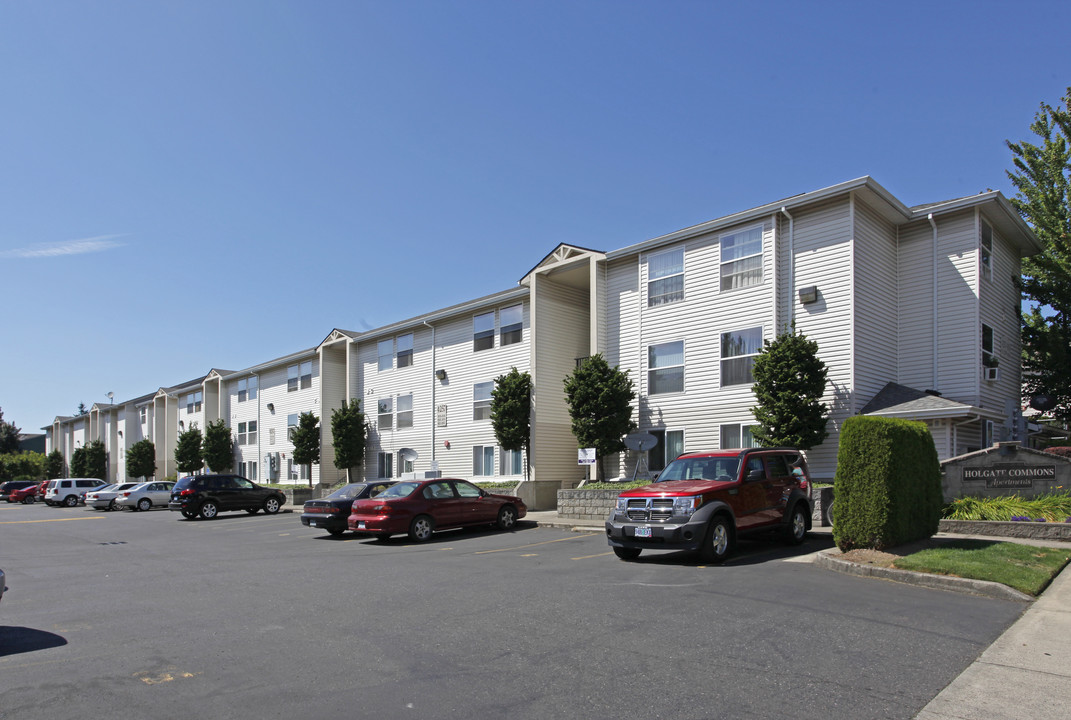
{"points": [[420, 507]]}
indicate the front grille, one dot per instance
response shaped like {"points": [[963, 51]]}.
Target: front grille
{"points": [[649, 509]]}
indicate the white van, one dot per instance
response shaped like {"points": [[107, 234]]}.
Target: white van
{"points": [[70, 491]]}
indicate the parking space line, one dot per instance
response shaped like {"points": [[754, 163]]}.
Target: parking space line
{"points": [[587, 557], [521, 547], [21, 522]]}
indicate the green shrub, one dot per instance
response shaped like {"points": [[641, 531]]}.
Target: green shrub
{"points": [[1054, 507], [888, 483]]}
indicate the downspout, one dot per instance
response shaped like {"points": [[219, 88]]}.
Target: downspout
{"points": [[933, 224], [791, 267], [260, 431], [434, 410]]}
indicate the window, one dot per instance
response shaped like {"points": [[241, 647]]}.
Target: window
{"points": [[405, 411], [247, 433], [247, 389], [248, 470], [405, 350], [299, 377], [741, 259], [665, 372], [385, 350], [385, 414], [385, 465], [481, 400], [141, 414], [406, 466], [483, 460], [987, 251], [193, 402], [669, 446], [738, 351], [512, 320], [483, 332], [271, 436], [989, 356], [512, 462], [737, 436], [665, 277], [291, 426], [296, 472]]}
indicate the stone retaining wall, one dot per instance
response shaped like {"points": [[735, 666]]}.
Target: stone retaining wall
{"points": [[1036, 530], [586, 504]]}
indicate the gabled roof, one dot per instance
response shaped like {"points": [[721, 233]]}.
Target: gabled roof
{"points": [[1000, 212], [336, 335], [901, 401], [564, 253]]}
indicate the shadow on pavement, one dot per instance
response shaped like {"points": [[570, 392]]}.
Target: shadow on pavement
{"points": [[16, 640]]}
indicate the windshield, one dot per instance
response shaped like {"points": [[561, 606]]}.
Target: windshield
{"points": [[701, 468], [347, 493], [398, 490]]}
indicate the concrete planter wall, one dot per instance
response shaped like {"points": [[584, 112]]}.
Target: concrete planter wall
{"points": [[297, 496], [586, 504]]}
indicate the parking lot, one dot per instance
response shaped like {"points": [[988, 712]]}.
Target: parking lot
{"points": [[149, 615]]}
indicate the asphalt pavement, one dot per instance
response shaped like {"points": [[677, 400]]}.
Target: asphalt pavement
{"points": [[1025, 673]]}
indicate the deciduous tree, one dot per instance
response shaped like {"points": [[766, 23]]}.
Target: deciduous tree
{"points": [[189, 457], [348, 435], [141, 459], [307, 441], [218, 447]]}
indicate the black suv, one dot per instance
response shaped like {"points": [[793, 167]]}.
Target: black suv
{"points": [[209, 495]]}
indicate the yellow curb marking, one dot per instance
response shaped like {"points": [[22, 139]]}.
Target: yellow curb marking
{"points": [[586, 557], [20, 522]]}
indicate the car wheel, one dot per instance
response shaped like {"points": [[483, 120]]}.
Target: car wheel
{"points": [[828, 514], [70, 500], [188, 514], [421, 528], [113, 505], [28, 500], [796, 530], [719, 540], [337, 532], [252, 511], [144, 504], [627, 553], [507, 517], [209, 509], [272, 505]]}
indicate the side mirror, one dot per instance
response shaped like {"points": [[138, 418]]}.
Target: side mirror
{"points": [[756, 475]]}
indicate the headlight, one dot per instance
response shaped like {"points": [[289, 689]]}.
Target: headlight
{"points": [[685, 506], [622, 503]]}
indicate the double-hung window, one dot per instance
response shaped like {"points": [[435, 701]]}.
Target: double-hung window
{"points": [[665, 277], [385, 414], [405, 411], [987, 250], [385, 465], [299, 376], [483, 460], [741, 259], [306, 375], [512, 462], [193, 402], [405, 350], [512, 320], [291, 426], [665, 363], [385, 350], [247, 389], [247, 433], [483, 332], [481, 400], [737, 436], [738, 352]]}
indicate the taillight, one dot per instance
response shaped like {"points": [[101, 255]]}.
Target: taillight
{"points": [[126, 494], [187, 492]]}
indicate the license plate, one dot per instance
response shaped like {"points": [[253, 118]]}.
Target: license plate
{"points": [[643, 532], [312, 523], [360, 525]]}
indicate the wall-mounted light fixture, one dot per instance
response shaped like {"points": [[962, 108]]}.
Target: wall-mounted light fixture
{"points": [[809, 294], [120, 433], [271, 407], [441, 374]]}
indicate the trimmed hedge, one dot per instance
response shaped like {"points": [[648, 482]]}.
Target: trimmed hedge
{"points": [[888, 483]]}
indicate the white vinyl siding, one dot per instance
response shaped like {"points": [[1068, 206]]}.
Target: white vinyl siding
{"points": [[665, 277]]}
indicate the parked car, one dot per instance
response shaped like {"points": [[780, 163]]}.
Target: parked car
{"points": [[703, 501], [104, 498], [70, 491], [331, 513], [419, 508], [144, 496], [3, 585], [209, 495], [23, 491]]}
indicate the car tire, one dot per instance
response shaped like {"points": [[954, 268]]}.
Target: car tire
{"points": [[144, 504], [272, 505], [337, 532], [70, 500], [29, 500], [114, 505], [627, 553], [252, 511], [421, 528], [507, 518], [209, 509], [796, 530], [718, 542]]}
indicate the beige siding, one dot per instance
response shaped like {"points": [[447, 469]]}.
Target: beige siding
{"points": [[333, 392], [876, 304], [999, 299], [915, 356], [958, 326]]}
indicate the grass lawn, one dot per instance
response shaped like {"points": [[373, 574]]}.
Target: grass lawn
{"points": [[1026, 568]]}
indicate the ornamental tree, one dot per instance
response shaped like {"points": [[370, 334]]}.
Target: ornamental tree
{"points": [[790, 380], [600, 405], [189, 457], [306, 441], [9, 436], [54, 467], [141, 459], [511, 412], [348, 433], [96, 460], [78, 463], [217, 447]]}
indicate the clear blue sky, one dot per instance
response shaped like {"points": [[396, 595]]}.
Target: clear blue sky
{"points": [[198, 184]]}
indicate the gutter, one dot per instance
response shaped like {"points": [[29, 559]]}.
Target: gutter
{"points": [[936, 354]]}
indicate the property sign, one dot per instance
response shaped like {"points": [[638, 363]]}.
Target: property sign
{"points": [[1010, 475], [440, 415], [585, 456]]}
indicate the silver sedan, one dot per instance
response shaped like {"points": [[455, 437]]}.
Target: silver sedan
{"points": [[146, 495]]}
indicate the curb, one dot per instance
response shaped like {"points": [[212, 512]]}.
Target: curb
{"points": [[829, 560]]}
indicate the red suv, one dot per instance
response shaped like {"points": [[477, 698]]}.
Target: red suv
{"points": [[703, 501]]}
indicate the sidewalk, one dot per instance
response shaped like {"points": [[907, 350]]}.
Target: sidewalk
{"points": [[1025, 673]]}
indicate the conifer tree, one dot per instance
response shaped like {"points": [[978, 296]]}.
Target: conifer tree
{"points": [[790, 380]]}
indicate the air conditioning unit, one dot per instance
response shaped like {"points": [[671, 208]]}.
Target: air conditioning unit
{"points": [[991, 373]]}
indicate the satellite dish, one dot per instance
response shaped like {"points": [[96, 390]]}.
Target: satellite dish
{"points": [[408, 454], [1043, 402], [109, 395], [640, 442]]}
